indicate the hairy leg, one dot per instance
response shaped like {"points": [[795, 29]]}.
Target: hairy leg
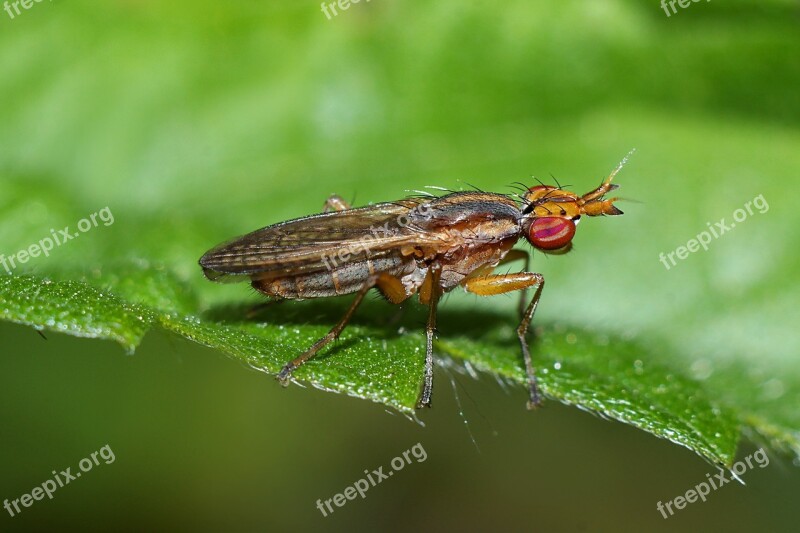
{"points": [[430, 333], [334, 333]]}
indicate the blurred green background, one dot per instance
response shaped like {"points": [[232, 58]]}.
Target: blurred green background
{"points": [[197, 121]]}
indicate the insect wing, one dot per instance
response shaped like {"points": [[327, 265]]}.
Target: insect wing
{"points": [[306, 244]]}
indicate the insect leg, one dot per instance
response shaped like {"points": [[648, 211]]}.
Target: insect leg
{"points": [[392, 288], [334, 333], [335, 203], [516, 255], [430, 333], [502, 283]]}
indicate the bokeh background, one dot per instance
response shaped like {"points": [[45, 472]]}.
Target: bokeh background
{"points": [[196, 121]]}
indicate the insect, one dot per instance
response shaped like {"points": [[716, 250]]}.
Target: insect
{"points": [[419, 245]]}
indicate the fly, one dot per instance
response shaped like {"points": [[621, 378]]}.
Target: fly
{"points": [[420, 245]]}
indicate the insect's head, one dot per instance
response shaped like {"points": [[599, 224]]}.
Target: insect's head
{"points": [[552, 213]]}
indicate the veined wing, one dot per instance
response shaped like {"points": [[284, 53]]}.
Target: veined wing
{"points": [[308, 244]]}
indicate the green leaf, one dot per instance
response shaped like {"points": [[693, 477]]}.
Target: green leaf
{"points": [[379, 362], [73, 308]]}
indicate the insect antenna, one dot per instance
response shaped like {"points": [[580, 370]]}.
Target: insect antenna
{"points": [[619, 167], [623, 162]]}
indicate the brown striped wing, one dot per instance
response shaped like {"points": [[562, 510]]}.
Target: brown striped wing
{"points": [[304, 245]]}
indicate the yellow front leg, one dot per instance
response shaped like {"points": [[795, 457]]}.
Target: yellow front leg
{"points": [[512, 255], [492, 284], [501, 283]]}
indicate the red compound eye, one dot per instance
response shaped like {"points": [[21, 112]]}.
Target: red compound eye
{"points": [[551, 233]]}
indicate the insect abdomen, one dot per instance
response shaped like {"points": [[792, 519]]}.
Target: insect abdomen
{"points": [[345, 278]]}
